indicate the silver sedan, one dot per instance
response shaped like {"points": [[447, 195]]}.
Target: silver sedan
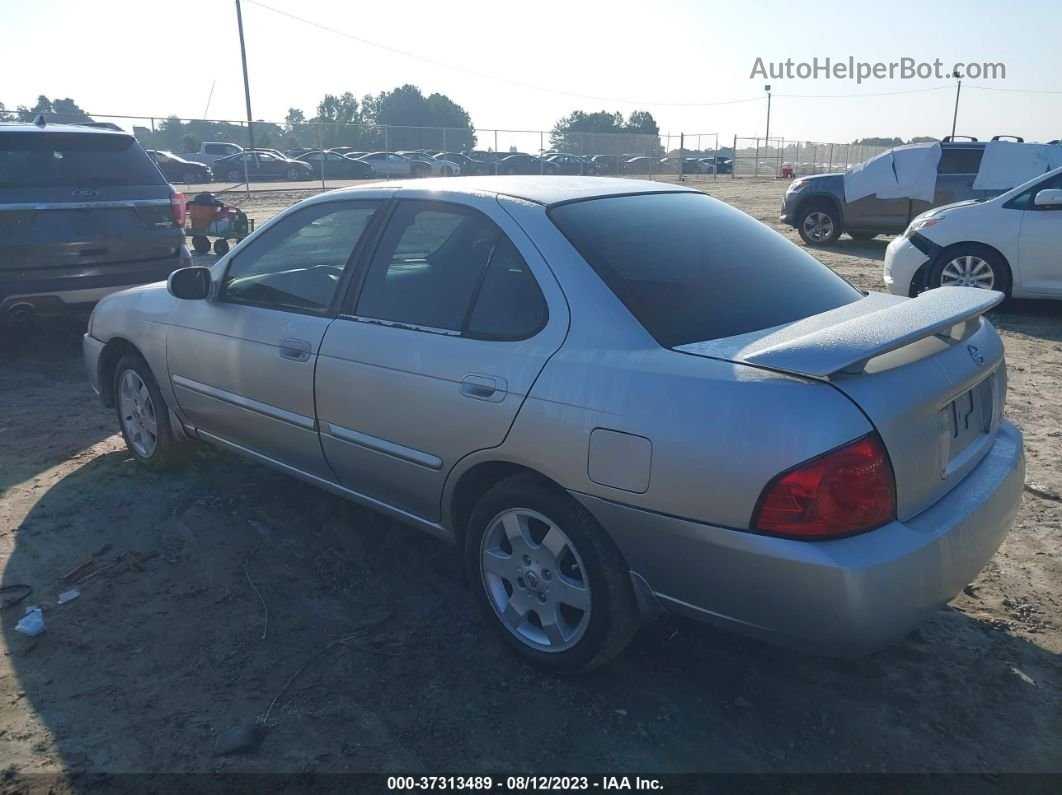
{"points": [[616, 397]]}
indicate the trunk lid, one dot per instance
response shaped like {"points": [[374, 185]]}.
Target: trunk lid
{"points": [[927, 372]]}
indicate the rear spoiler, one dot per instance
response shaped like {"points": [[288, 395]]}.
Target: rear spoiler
{"points": [[846, 338]]}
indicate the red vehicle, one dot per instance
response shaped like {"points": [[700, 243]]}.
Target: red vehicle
{"points": [[208, 217]]}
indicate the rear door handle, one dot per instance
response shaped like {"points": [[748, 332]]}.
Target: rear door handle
{"points": [[484, 387], [294, 349]]}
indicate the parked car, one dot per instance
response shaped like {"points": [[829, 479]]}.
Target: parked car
{"points": [[176, 169], [609, 164], [1009, 243], [336, 166], [469, 166], [816, 206], [83, 212], [642, 164], [261, 165], [440, 167], [547, 373], [298, 151], [211, 151], [568, 164], [392, 164], [519, 163]]}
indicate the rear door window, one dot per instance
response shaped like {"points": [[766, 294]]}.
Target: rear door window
{"points": [[960, 161], [61, 160], [691, 268]]}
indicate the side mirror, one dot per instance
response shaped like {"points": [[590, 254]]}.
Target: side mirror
{"points": [[1049, 197], [189, 284]]}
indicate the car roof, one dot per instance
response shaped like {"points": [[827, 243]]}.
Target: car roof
{"points": [[544, 190], [73, 129]]}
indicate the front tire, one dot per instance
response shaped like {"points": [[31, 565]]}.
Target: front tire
{"points": [[144, 416], [294, 174], [971, 265], [234, 175], [548, 578], [819, 225], [189, 177]]}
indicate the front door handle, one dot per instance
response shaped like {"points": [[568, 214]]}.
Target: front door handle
{"points": [[484, 387], [295, 349]]}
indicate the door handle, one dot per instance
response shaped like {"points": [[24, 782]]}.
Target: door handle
{"points": [[484, 387], [294, 349]]}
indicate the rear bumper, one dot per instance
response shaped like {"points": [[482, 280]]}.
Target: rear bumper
{"points": [[74, 290], [838, 598]]}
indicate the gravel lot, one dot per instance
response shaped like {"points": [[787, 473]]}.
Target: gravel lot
{"points": [[171, 645]]}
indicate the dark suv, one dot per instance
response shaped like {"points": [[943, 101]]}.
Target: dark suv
{"points": [[83, 212], [816, 205]]}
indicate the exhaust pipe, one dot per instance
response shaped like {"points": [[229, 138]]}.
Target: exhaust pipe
{"points": [[21, 312]]}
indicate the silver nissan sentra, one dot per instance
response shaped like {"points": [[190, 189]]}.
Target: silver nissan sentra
{"points": [[616, 396]]}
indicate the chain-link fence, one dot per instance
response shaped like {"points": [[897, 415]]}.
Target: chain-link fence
{"points": [[777, 157], [326, 149]]}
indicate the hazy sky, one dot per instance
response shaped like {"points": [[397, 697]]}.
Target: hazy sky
{"points": [[521, 66]]}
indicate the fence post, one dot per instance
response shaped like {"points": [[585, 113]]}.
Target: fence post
{"points": [[320, 147], [733, 160], [495, 153]]}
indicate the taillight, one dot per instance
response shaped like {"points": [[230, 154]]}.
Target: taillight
{"points": [[846, 491], [178, 209]]}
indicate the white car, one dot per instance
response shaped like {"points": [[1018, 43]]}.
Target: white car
{"points": [[392, 164], [440, 167], [1011, 243]]}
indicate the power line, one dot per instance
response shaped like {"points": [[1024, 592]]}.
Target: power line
{"points": [[1015, 90], [852, 96], [486, 76]]}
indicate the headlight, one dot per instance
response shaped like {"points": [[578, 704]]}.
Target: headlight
{"points": [[798, 185], [918, 226]]}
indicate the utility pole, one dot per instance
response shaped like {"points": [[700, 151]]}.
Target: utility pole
{"points": [[766, 88], [955, 117], [246, 92]]}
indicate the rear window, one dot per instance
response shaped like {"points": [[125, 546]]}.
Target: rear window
{"points": [[69, 160], [691, 268]]}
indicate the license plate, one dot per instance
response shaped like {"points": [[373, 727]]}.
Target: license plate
{"points": [[967, 417]]}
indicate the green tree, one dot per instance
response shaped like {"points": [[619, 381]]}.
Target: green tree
{"points": [[59, 111], [414, 121], [607, 133], [190, 143], [338, 120], [5, 114], [923, 139]]}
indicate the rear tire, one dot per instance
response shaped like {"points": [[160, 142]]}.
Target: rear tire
{"points": [[200, 244], [559, 594], [819, 224], [144, 417], [862, 235], [221, 247], [971, 265], [189, 177], [294, 174], [235, 176]]}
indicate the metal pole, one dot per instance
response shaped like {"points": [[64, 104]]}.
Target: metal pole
{"points": [[955, 116], [246, 94], [495, 153], [320, 147], [733, 160], [681, 161]]}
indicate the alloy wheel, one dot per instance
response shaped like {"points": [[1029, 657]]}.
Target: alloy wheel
{"points": [[535, 580], [138, 414], [968, 271], [818, 226]]}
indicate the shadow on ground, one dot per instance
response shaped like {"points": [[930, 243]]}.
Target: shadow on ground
{"points": [[151, 662]]}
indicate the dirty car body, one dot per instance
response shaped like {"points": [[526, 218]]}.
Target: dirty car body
{"points": [[798, 461]]}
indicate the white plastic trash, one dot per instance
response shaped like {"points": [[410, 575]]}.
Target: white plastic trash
{"points": [[69, 596], [32, 623]]}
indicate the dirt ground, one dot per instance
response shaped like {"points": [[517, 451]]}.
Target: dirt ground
{"points": [[173, 645]]}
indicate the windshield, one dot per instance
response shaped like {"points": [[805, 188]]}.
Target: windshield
{"points": [[691, 268], [60, 160]]}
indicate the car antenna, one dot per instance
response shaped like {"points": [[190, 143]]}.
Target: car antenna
{"points": [[39, 121]]}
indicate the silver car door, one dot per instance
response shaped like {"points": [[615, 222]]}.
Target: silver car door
{"points": [[242, 364], [1039, 263], [433, 356]]}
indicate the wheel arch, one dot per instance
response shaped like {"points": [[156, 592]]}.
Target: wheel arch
{"points": [[944, 252], [112, 353], [820, 200]]}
